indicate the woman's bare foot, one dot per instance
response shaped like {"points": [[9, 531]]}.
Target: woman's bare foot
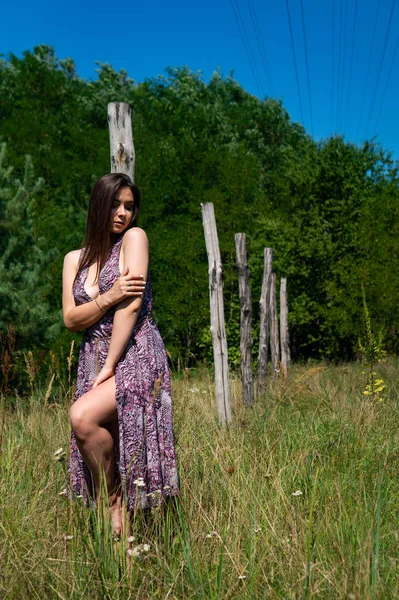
{"points": [[115, 505]]}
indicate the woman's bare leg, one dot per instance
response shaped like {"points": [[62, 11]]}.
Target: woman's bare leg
{"points": [[89, 414]]}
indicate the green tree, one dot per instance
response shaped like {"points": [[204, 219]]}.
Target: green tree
{"points": [[23, 288], [329, 210]]}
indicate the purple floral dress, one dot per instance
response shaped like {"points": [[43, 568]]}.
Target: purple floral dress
{"points": [[145, 459]]}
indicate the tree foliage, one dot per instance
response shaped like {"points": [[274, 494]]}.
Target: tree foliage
{"points": [[329, 209]]}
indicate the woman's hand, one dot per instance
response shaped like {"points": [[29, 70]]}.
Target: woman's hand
{"points": [[126, 286], [105, 373]]}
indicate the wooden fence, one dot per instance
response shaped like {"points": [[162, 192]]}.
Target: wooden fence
{"points": [[273, 333], [123, 161]]}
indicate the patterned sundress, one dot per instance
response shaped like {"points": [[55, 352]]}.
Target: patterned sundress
{"points": [[146, 459]]}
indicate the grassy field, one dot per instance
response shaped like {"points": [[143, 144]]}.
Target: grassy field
{"points": [[297, 499]]}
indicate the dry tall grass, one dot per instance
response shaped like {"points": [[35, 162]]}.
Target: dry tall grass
{"points": [[298, 499]]}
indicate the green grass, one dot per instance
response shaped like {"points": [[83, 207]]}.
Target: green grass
{"points": [[238, 530]]}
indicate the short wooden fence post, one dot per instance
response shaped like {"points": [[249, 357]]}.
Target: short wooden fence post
{"points": [[218, 330], [245, 319], [264, 320], [274, 337], [284, 335]]}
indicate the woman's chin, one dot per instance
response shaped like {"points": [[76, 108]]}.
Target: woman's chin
{"points": [[118, 228]]}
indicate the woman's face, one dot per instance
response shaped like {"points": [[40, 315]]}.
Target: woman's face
{"points": [[122, 210]]}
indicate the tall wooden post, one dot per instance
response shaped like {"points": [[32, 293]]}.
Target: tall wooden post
{"points": [[284, 336], [274, 337], [121, 138], [217, 315], [245, 319], [264, 320]]}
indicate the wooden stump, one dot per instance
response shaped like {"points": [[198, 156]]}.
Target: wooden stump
{"points": [[284, 335], [121, 138], [245, 320], [274, 337], [264, 303], [217, 315]]}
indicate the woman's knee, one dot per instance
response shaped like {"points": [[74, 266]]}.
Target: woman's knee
{"points": [[81, 422]]}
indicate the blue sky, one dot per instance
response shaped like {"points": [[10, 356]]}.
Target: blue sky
{"points": [[350, 91]]}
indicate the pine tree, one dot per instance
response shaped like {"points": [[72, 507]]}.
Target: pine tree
{"points": [[23, 288]]}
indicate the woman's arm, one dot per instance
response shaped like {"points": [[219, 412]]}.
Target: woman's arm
{"points": [[81, 317], [135, 257]]}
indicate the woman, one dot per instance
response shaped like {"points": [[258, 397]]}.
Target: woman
{"points": [[121, 418]]}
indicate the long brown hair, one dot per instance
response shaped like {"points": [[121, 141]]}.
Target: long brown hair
{"points": [[98, 239]]}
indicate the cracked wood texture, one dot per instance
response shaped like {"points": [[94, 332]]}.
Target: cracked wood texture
{"points": [[245, 319], [264, 320], [274, 336], [121, 138], [218, 331], [284, 335]]}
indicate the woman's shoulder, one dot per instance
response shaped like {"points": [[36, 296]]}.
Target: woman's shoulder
{"points": [[72, 258], [136, 235]]}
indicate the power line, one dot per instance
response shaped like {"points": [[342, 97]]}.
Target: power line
{"points": [[307, 67], [332, 65], [339, 67], [368, 67], [294, 55], [342, 94], [387, 82], [245, 41], [381, 64], [258, 36], [351, 64]]}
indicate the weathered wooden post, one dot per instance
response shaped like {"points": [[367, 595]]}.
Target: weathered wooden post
{"points": [[245, 319], [274, 337], [217, 315], [284, 336], [121, 138], [264, 320]]}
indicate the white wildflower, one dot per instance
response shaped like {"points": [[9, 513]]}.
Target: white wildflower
{"points": [[67, 538], [62, 492], [242, 577], [131, 539], [59, 454], [257, 529], [193, 390], [297, 493], [138, 551], [139, 482], [204, 392]]}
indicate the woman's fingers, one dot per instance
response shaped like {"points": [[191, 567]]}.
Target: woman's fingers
{"points": [[136, 279], [130, 285], [134, 285], [104, 374], [134, 292]]}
